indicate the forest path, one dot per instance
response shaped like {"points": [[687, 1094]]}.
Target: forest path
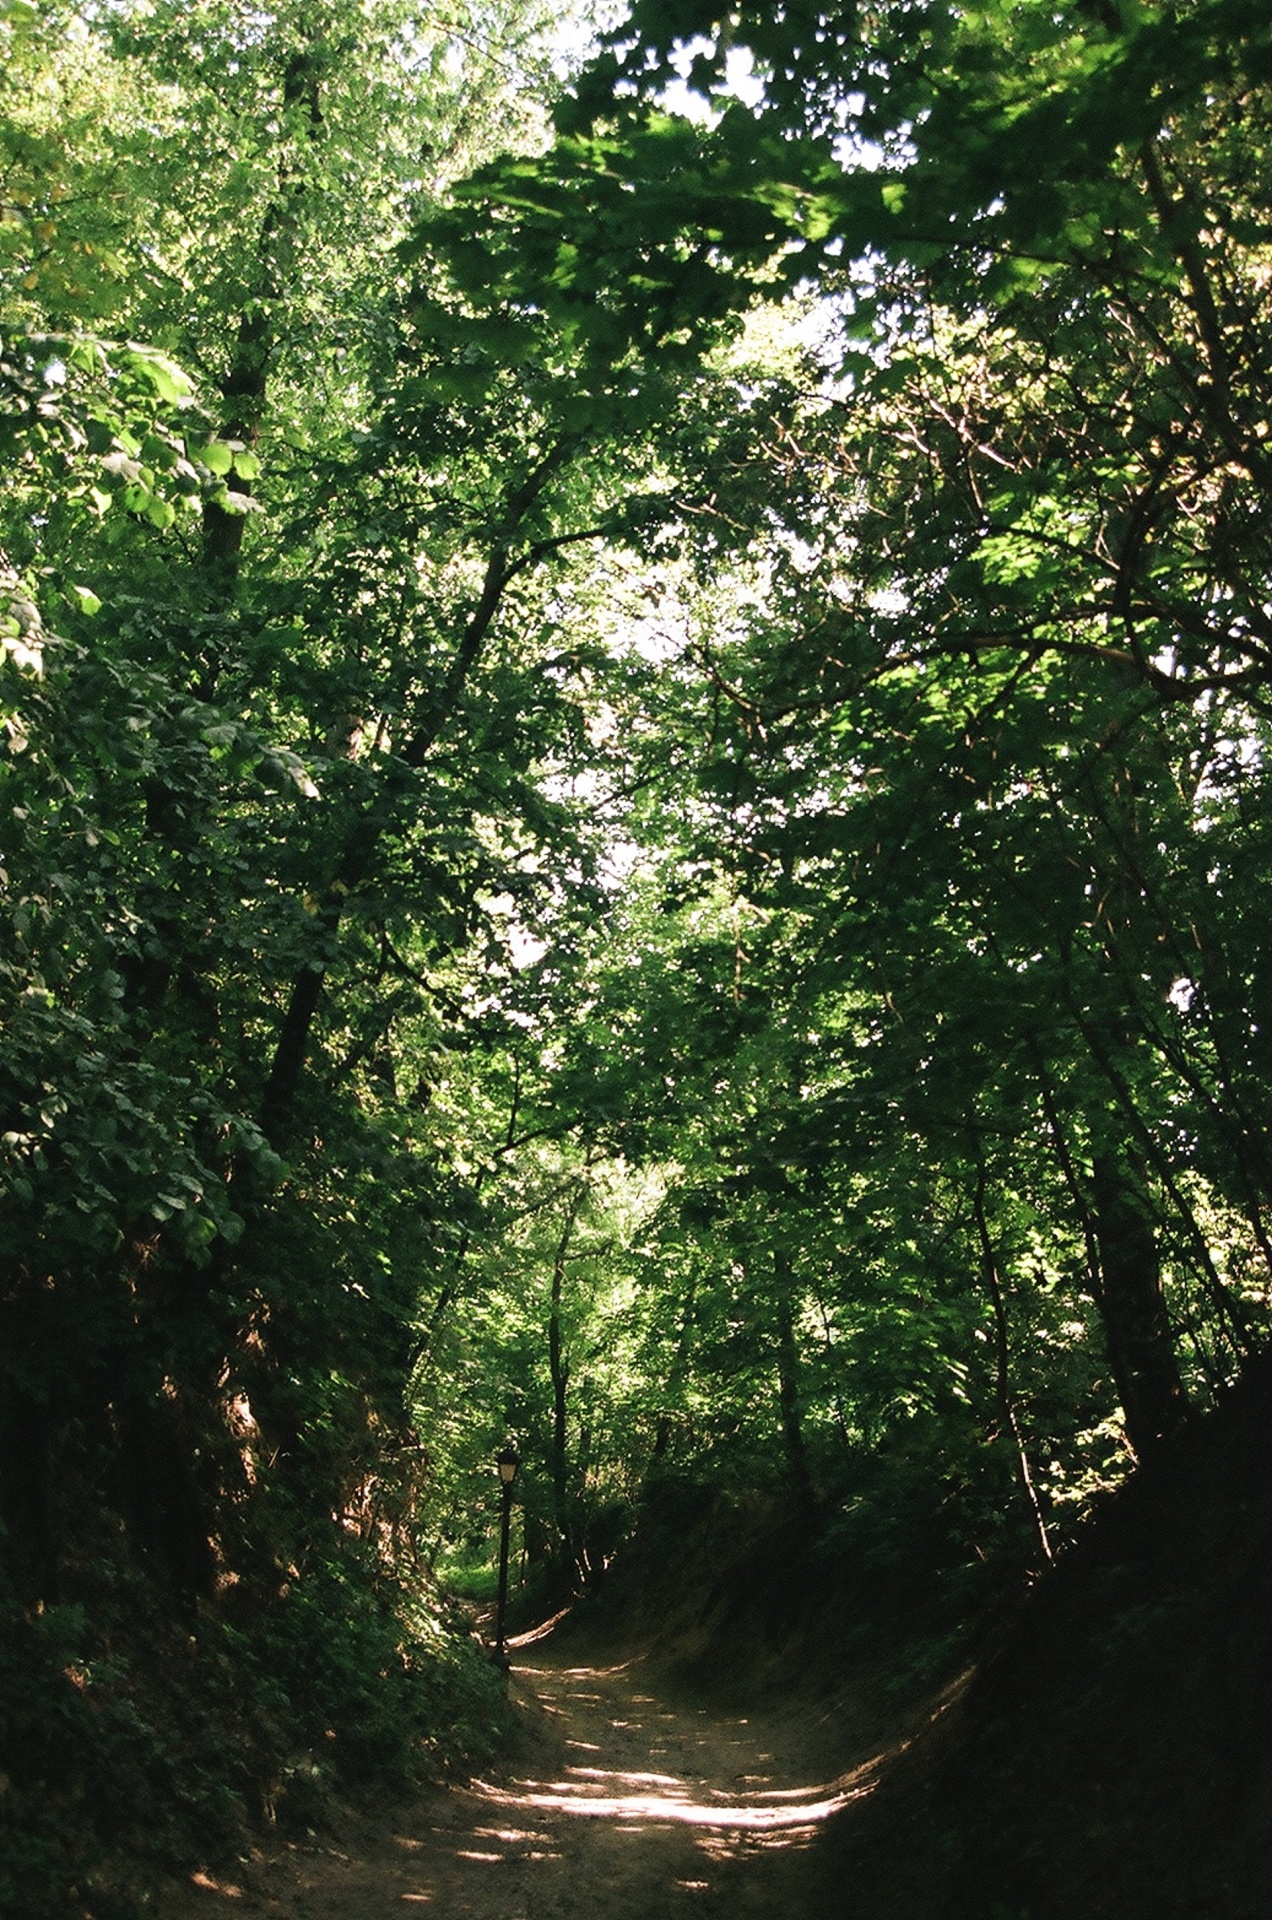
{"points": [[623, 1802]]}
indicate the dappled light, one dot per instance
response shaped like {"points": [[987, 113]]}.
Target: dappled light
{"points": [[658, 1803], [638, 1797], [746, 1810], [635, 957], [635, 920]]}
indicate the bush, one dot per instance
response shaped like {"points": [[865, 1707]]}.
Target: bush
{"points": [[134, 1742]]}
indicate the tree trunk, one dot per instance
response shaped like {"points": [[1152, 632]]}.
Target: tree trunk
{"points": [[291, 1049], [244, 389], [1002, 1370], [788, 1385], [663, 1431], [1141, 1348], [559, 1370]]}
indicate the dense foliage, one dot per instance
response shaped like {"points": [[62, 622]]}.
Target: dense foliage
{"points": [[634, 795]]}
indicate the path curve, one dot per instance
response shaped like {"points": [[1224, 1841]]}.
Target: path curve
{"points": [[627, 1802]]}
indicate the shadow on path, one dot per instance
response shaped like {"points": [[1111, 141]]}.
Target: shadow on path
{"points": [[626, 1805]]}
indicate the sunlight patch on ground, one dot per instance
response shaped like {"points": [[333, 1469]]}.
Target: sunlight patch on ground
{"points": [[541, 1632], [209, 1885], [807, 1807], [573, 1673], [756, 1814], [509, 1833], [629, 1779]]}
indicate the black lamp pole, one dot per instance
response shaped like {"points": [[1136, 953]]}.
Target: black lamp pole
{"points": [[507, 1463]]}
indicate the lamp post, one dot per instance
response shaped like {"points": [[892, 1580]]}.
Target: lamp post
{"points": [[507, 1463]]}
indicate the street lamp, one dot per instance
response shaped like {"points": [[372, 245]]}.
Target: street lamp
{"points": [[507, 1463]]}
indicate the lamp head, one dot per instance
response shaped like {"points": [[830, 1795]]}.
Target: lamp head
{"points": [[507, 1463]]}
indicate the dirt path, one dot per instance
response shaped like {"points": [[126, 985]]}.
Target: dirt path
{"points": [[625, 1803]]}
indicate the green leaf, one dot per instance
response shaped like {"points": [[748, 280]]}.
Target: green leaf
{"points": [[217, 457], [159, 371]]}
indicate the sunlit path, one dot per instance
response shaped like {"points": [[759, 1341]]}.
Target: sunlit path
{"points": [[624, 1803], [676, 1801], [747, 1805]]}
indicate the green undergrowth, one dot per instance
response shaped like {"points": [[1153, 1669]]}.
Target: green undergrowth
{"points": [[475, 1581], [137, 1740]]}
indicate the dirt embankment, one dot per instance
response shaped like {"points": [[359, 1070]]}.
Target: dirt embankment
{"points": [[1110, 1760]]}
